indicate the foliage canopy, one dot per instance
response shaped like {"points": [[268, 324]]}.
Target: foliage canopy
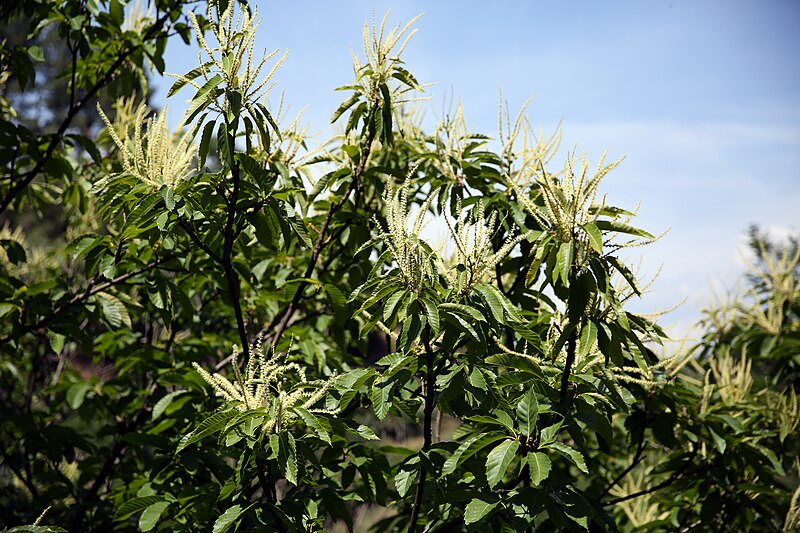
{"points": [[236, 332]]}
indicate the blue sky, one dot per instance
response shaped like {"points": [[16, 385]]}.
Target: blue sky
{"points": [[702, 97]]}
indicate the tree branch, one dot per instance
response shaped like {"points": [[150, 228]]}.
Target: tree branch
{"points": [[572, 342], [90, 290], [227, 255], [636, 459], [320, 243], [429, 391], [669, 481], [25, 481]]}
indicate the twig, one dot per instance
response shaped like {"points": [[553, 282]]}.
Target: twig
{"points": [[636, 459], [669, 481], [25, 481]]}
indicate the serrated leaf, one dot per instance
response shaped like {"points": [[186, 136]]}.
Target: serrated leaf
{"points": [[463, 310], [132, 507], [516, 362], [321, 183], [404, 479], [563, 262], [391, 303], [493, 299], [191, 75], [498, 460], [151, 515], [230, 516], [548, 434], [367, 433], [213, 424], [619, 227], [477, 509], [347, 104], [314, 423], [114, 310], [539, 467], [528, 413], [202, 99], [629, 276], [287, 457], [573, 455], [140, 218], [433, 315], [379, 396], [595, 237], [469, 448], [587, 339]]}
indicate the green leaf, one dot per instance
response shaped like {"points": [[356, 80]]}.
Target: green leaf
{"points": [[379, 395], [463, 310], [516, 362], [203, 98], [623, 269], [191, 75], [386, 110], [141, 218], [314, 423], [151, 515], [347, 104], [477, 509], [573, 455], [287, 457], [539, 466], [493, 299], [498, 460], [404, 479], [366, 433], [205, 141], [335, 296], [114, 310], [391, 303], [469, 448], [321, 183], [719, 442], [619, 227], [163, 403], [548, 434], [76, 394], [595, 237], [135, 505], [528, 413], [230, 516], [213, 424], [433, 315], [563, 262], [587, 339]]}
